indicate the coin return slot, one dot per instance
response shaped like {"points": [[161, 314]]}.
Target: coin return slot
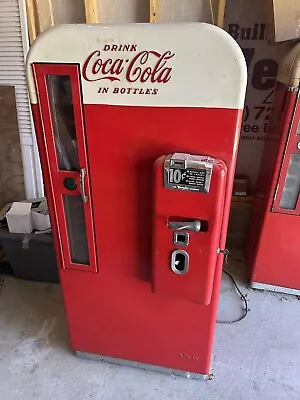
{"points": [[180, 262], [181, 238]]}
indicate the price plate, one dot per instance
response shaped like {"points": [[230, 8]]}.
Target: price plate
{"points": [[188, 172], [188, 177]]}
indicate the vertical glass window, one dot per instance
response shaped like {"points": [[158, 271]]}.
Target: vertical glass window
{"points": [[291, 188], [62, 114]]}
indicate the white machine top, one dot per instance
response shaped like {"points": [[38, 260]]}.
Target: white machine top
{"points": [[170, 65]]}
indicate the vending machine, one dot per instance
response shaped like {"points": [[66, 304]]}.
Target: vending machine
{"points": [[138, 128], [272, 247]]}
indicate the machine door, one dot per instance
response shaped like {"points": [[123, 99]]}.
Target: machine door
{"points": [[287, 199], [60, 102], [188, 211]]}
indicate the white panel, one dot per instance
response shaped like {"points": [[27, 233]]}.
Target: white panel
{"points": [[3, 67], [9, 39], [10, 9], [155, 68], [10, 34], [184, 11], [118, 11], [13, 48]]}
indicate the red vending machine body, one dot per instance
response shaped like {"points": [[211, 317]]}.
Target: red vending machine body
{"points": [[112, 106], [272, 249]]}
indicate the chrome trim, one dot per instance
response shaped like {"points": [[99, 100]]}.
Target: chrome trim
{"points": [[82, 190], [135, 364], [194, 226], [186, 262], [188, 161], [179, 242], [273, 288]]}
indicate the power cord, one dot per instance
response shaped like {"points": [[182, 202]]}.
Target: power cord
{"points": [[1, 284], [1, 278], [246, 309]]}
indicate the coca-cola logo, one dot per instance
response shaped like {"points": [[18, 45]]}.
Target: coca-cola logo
{"points": [[145, 66]]}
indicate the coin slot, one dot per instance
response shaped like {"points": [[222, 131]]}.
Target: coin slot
{"points": [[180, 262]]}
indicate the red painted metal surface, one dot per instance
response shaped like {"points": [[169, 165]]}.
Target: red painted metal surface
{"points": [[114, 312], [197, 284], [135, 323], [272, 254], [120, 314]]}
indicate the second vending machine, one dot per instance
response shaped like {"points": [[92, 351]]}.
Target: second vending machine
{"points": [[273, 246]]}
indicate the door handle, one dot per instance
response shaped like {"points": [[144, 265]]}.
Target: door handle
{"points": [[194, 226], [81, 182]]}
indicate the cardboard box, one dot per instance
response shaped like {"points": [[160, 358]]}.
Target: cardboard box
{"points": [[39, 214], [19, 218], [245, 21], [283, 20]]}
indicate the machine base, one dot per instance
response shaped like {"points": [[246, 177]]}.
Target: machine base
{"points": [[272, 288], [135, 364]]}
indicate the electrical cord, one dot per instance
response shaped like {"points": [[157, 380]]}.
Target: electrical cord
{"points": [[246, 309], [1, 284]]}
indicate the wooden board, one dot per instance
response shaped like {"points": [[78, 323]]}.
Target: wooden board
{"points": [[283, 19], [91, 11], [154, 10], [221, 13], [31, 20], [44, 14], [39, 17]]}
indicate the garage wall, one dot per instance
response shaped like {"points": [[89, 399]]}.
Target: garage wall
{"points": [[116, 11], [68, 11], [13, 48], [246, 20], [184, 10]]}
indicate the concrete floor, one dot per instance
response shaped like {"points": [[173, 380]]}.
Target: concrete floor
{"points": [[258, 358]]}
